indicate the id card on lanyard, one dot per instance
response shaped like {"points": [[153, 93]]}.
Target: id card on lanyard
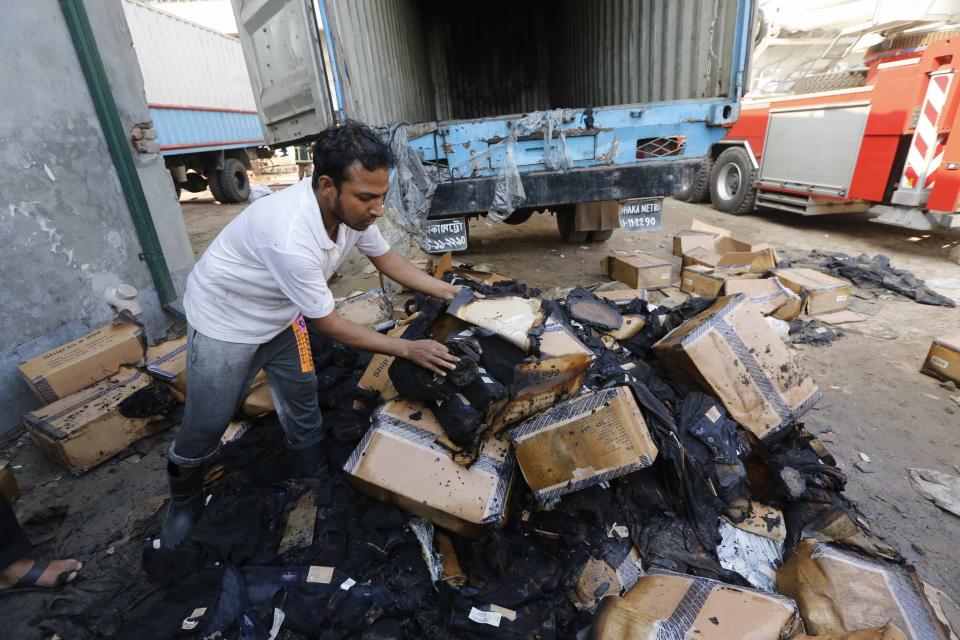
{"points": [[303, 344]]}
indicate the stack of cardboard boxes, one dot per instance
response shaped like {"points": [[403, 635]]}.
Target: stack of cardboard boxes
{"points": [[99, 391], [564, 438], [84, 384], [713, 263]]}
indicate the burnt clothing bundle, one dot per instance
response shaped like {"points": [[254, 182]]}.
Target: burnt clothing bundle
{"points": [[365, 570], [874, 273]]}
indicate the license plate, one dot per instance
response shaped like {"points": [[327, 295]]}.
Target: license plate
{"points": [[641, 214], [445, 235]]}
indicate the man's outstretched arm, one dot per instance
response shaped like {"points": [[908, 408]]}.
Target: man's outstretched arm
{"points": [[426, 353], [396, 267]]}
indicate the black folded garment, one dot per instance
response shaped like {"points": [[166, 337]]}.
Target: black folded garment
{"points": [[484, 390], [499, 357], [461, 421], [310, 598], [417, 383]]}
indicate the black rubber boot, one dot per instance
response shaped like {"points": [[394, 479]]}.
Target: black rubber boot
{"points": [[186, 504], [310, 462]]}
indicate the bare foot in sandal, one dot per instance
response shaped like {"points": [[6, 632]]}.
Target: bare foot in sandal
{"points": [[36, 575]]}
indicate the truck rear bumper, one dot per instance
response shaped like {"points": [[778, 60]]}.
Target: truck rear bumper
{"points": [[616, 182]]}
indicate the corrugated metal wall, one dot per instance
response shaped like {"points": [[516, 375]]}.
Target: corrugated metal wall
{"points": [[185, 64], [382, 56], [488, 62], [421, 60], [607, 52]]}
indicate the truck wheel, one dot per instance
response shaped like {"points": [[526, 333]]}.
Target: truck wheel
{"points": [[519, 216], [699, 189], [566, 219], [599, 236], [213, 183], [234, 181], [733, 180]]}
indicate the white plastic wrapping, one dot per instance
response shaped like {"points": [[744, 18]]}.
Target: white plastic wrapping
{"points": [[423, 530], [754, 557], [411, 186], [509, 193]]}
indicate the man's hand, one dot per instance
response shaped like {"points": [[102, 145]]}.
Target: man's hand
{"points": [[431, 355]]}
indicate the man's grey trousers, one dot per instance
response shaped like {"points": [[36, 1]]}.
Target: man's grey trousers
{"points": [[219, 375]]}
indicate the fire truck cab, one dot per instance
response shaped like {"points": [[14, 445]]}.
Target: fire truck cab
{"points": [[884, 147]]}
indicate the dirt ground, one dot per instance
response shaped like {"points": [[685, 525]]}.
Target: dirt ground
{"points": [[874, 399]]}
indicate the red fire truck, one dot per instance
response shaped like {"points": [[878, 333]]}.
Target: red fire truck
{"points": [[884, 147]]}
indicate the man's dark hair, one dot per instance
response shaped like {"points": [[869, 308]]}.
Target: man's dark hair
{"points": [[341, 145]]}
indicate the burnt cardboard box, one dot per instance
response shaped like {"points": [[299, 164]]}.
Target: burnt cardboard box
{"points": [[259, 402], [88, 427], [399, 461], [538, 384], [767, 294], [820, 292], [8, 483], [479, 277], [943, 359], [557, 340], [729, 350], [583, 442], [686, 240], [371, 309], [704, 281], [510, 317], [819, 578], [701, 281], [703, 227], [638, 270], [670, 605], [752, 261], [702, 257], [611, 574], [78, 364], [167, 361], [728, 244], [622, 296], [668, 297], [632, 324], [376, 376]]}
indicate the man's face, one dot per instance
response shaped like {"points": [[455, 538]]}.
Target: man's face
{"points": [[360, 201]]}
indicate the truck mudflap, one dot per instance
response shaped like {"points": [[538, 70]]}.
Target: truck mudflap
{"points": [[616, 182]]}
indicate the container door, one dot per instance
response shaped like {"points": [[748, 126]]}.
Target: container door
{"points": [[281, 46]]}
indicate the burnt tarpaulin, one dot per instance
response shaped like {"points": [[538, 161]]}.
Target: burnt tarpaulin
{"points": [[874, 273]]}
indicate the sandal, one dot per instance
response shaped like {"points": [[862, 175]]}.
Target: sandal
{"points": [[28, 582]]}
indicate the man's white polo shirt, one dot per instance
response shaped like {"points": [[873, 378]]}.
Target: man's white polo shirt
{"points": [[270, 264]]}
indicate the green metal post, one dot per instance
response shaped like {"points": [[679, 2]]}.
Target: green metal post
{"points": [[118, 143]]}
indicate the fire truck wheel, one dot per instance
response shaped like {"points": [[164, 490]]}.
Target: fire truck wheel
{"points": [[699, 189], [733, 182]]}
